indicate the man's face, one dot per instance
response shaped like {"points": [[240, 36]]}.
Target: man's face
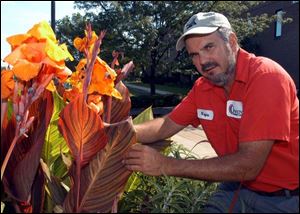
{"points": [[213, 58]]}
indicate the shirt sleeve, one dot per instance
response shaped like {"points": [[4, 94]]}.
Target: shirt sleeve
{"points": [[185, 113], [267, 106]]}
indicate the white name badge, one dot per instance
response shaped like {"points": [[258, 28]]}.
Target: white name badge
{"points": [[234, 109], [205, 114]]}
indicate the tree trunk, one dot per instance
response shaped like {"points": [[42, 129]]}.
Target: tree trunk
{"points": [[152, 79]]}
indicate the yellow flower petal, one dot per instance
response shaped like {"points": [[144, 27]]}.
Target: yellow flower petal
{"points": [[42, 30], [57, 53], [51, 87], [64, 73], [115, 93], [67, 53]]}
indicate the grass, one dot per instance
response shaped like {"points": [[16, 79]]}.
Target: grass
{"points": [[167, 87], [136, 92]]}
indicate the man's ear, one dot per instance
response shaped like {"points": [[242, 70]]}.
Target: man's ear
{"points": [[233, 41]]}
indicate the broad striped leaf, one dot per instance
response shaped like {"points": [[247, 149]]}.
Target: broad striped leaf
{"points": [[24, 162], [83, 130], [120, 109], [146, 115], [133, 180], [38, 192], [105, 177], [54, 141]]}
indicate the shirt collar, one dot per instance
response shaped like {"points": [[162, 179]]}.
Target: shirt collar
{"points": [[242, 65]]}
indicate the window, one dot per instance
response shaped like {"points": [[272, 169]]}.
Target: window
{"points": [[278, 24], [250, 24]]}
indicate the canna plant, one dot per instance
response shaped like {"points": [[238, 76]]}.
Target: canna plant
{"points": [[63, 133]]}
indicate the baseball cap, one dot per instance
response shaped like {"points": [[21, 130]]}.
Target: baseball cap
{"points": [[202, 23]]}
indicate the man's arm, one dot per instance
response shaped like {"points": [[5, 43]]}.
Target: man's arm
{"points": [[243, 165], [157, 129]]}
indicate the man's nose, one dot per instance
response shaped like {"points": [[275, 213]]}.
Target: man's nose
{"points": [[203, 60]]}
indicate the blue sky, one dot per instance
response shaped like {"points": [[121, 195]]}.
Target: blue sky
{"points": [[17, 17]]}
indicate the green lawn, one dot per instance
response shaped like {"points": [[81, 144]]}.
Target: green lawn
{"points": [[169, 88]]}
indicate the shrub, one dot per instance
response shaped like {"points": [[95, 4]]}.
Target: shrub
{"points": [[167, 194], [157, 100]]}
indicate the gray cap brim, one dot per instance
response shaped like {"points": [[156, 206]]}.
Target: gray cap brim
{"points": [[197, 30]]}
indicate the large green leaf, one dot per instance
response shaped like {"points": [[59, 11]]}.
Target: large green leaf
{"points": [[54, 141], [57, 193], [146, 115], [103, 180]]}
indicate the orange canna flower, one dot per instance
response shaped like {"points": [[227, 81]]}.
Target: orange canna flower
{"points": [[37, 52], [7, 84], [95, 103], [103, 78], [81, 44]]}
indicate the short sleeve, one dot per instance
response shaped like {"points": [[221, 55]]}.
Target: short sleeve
{"points": [[185, 113]]}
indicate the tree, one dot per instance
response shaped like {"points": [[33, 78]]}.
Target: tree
{"points": [[147, 31]]}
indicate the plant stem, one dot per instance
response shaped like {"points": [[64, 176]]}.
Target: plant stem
{"points": [[78, 175], [90, 66], [3, 110], [12, 146], [108, 112]]}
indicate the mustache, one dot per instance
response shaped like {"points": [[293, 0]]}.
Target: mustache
{"points": [[209, 65]]}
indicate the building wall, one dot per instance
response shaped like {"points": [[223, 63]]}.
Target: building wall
{"points": [[285, 49]]}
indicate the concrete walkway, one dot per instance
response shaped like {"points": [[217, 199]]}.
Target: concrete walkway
{"points": [[142, 88], [194, 139]]}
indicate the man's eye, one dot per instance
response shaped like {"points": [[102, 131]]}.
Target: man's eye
{"points": [[208, 47]]}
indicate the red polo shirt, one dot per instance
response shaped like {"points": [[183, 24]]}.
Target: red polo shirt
{"points": [[262, 105]]}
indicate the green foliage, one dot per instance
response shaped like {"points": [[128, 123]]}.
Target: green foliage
{"points": [[147, 31], [54, 144], [146, 115], [166, 194]]}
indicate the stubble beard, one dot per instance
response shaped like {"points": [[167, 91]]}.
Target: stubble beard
{"points": [[222, 79]]}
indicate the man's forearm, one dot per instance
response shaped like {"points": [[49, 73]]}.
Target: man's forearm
{"points": [[149, 131], [157, 129], [213, 169]]}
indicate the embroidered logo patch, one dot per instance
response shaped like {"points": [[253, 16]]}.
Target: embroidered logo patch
{"points": [[205, 114], [191, 23], [234, 109]]}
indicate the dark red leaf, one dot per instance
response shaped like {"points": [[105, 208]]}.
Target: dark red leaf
{"points": [[24, 161], [82, 129]]}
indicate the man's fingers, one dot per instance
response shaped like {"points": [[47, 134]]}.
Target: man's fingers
{"points": [[137, 147], [131, 161], [132, 154], [135, 168]]}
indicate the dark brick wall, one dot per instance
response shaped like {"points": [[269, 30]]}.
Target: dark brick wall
{"points": [[285, 49]]}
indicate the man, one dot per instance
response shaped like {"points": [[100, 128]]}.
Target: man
{"points": [[249, 110]]}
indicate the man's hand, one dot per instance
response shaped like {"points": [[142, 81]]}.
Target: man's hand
{"points": [[144, 159]]}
